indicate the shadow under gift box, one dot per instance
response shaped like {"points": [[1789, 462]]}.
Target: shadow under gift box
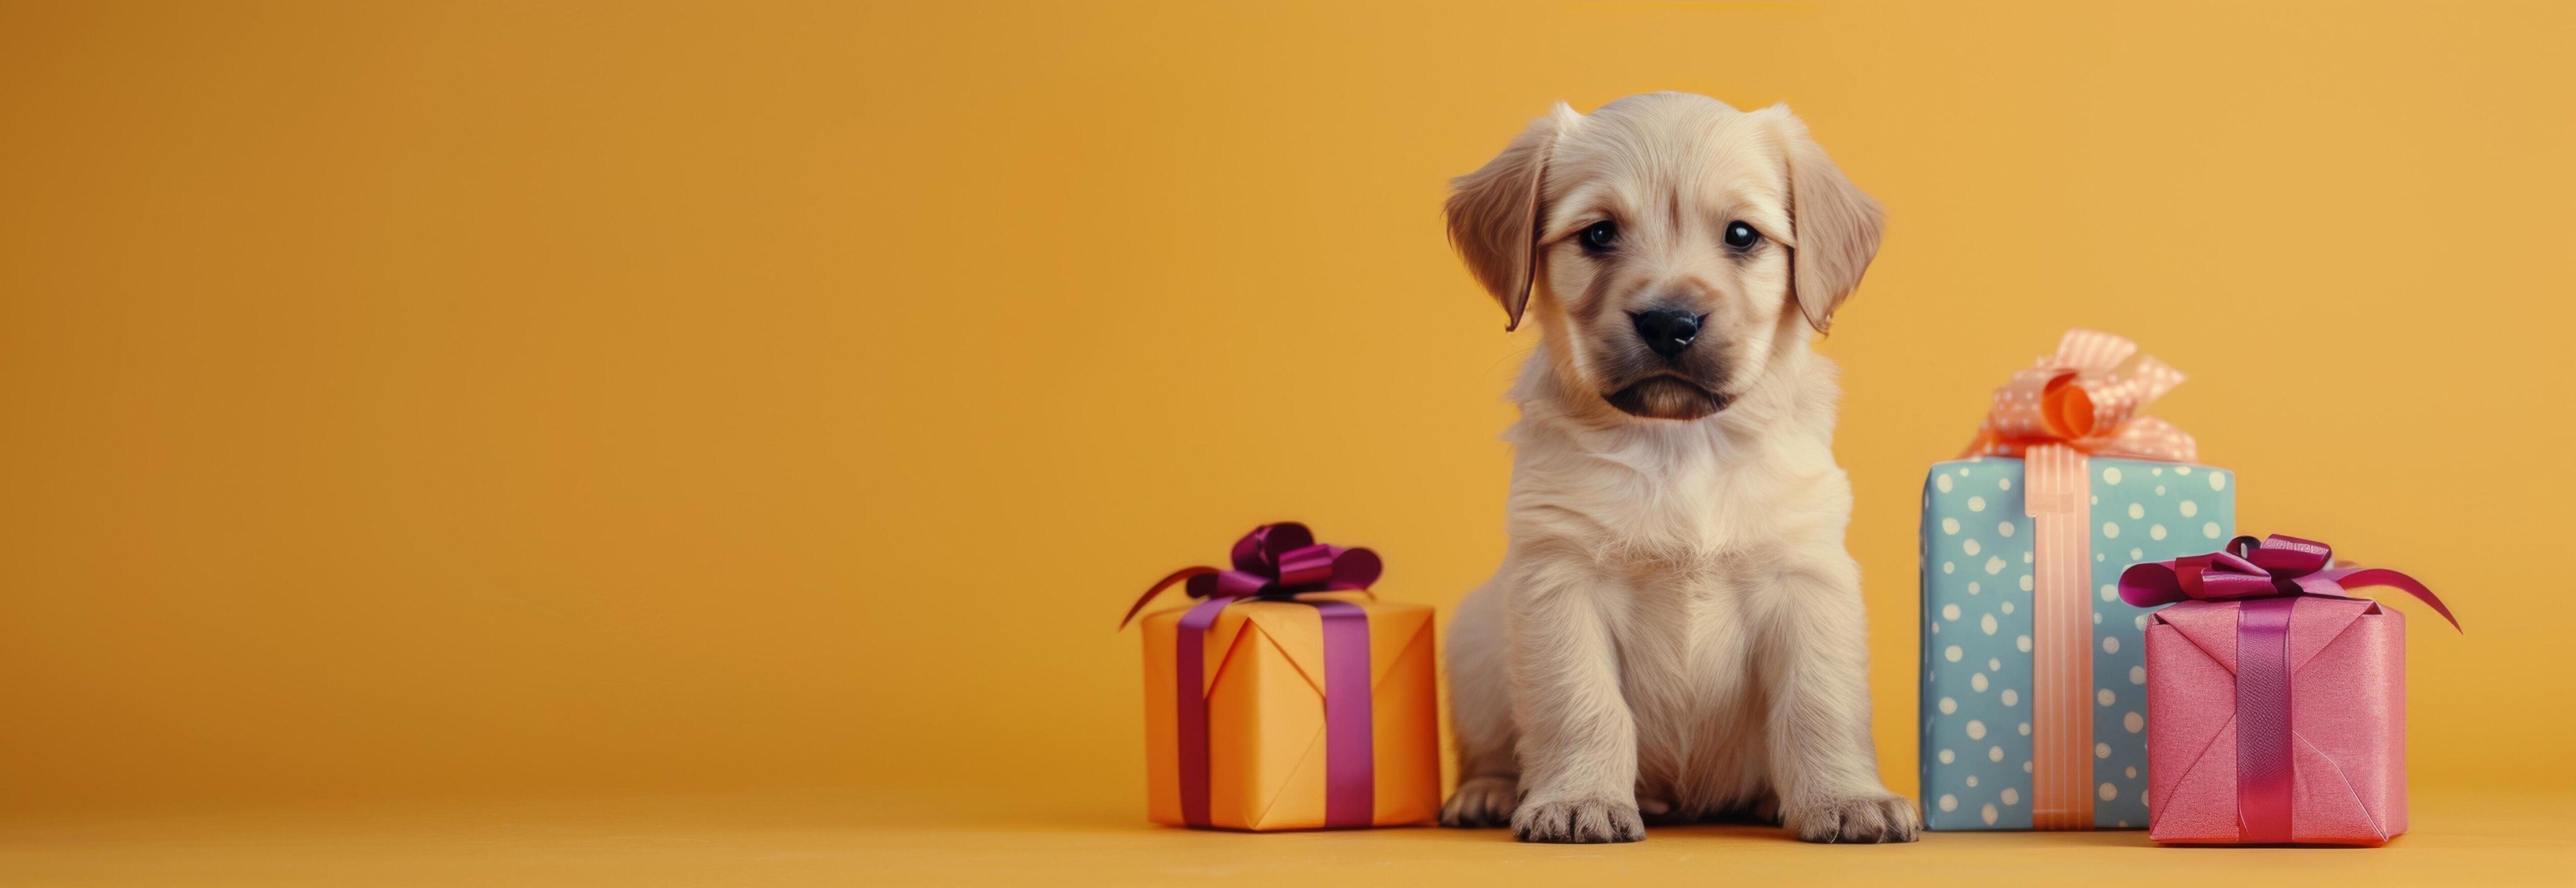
{"points": [[1979, 759], [1264, 679], [2347, 743]]}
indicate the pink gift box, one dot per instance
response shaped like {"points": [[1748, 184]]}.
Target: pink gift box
{"points": [[2344, 713]]}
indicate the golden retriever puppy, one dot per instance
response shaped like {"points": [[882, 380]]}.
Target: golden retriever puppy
{"points": [[1675, 633]]}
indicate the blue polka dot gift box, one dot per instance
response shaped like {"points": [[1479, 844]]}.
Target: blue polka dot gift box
{"points": [[2033, 670]]}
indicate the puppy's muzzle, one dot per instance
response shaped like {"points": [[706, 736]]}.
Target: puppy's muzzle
{"points": [[1678, 382]]}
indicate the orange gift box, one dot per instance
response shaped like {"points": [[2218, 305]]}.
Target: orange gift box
{"points": [[1264, 682]]}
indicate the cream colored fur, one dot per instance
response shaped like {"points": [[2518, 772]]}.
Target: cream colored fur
{"points": [[1676, 631]]}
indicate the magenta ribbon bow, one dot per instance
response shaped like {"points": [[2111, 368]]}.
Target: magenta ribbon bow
{"points": [[1274, 560], [2273, 567], [2268, 576], [1278, 562]]}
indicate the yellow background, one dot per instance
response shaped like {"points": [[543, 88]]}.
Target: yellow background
{"points": [[512, 400]]}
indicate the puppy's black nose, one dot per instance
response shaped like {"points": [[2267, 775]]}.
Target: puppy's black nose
{"points": [[1667, 330]]}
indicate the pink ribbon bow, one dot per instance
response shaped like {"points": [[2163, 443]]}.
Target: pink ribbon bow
{"points": [[2086, 396], [2274, 567], [1275, 560], [2268, 577]]}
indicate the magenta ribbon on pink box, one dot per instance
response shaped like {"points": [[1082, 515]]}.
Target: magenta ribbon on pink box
{"points": [[2267, 577], [1278, 562]]}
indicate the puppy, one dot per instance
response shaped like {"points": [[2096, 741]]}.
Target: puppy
{"points": [[1676, 630]]}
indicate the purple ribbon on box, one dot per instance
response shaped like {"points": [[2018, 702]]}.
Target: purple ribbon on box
{"points": [[2268, 576], [1278, 562]]}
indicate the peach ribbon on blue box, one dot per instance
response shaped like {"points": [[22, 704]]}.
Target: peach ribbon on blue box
{"points": [[2082, 401]]}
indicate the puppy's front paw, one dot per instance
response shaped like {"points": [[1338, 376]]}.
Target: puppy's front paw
{"points": [[1578, 821], [1480, 802], [1867, 819]]}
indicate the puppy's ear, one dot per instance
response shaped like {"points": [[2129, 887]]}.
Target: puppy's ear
{"points": [[1494, 212], [1835, 227]]}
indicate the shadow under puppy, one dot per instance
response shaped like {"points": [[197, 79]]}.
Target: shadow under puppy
{"points": [[1676, 630]]}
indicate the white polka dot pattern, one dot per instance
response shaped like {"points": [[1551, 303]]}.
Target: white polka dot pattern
{"points": [[1983, 661]]}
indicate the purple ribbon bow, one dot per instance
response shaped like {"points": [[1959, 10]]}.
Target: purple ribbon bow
{"points": [[1278, 562], [2268, 576]]}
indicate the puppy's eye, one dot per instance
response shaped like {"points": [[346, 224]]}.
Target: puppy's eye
{"points": [[1741, 237], [1599, 237]]}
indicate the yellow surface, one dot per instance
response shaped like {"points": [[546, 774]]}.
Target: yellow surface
{"points": [[510, 400], [898, 843]]}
